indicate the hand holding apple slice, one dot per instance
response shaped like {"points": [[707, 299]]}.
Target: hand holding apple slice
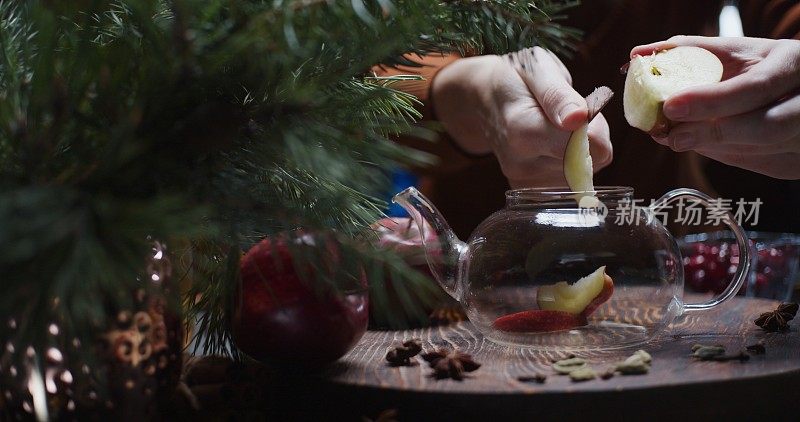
{"points": [[654, 78], [577, 159]]}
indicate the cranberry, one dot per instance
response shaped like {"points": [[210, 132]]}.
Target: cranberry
{"points": [[761, 281], [697, 280]]}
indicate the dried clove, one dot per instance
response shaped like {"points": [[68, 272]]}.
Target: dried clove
{"points": [[538, 378], [741, 357], [401, 355], [777, 320], [450, 364], [756, 349]]}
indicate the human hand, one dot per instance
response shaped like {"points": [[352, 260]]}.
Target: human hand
{"points": [[752, 118], [486, 107]]}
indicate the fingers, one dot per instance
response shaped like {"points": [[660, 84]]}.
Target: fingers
{"points": [[722, 47], [536, 159], [564, 70], [648, 49], [763, 84], [779, 166], [529, 133], [564, 107], [769, 129], [758, 72], [600, 143], [542, 172]]}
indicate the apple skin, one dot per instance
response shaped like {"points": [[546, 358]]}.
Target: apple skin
{"points": [[573, 298], [605, 294], [541, 320], [537, 321], [283, 320]]}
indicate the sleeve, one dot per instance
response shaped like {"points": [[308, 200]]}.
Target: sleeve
{"points": [[771, 18], [451, 158]]}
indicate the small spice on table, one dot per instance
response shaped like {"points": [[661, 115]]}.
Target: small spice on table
{"points": [[757, 349], [777, 320], [450, 364], [716, 353], [584, 373], [565, 366], [608, 374], [538, 378], [401, 355], [636, 364]]}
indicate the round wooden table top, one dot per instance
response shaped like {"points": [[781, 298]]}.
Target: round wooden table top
{"points": [[677, 385]]}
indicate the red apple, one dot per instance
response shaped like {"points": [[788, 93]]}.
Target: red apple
{"points": [[282, 318]]}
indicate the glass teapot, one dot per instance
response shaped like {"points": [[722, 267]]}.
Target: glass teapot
{"points": [[546, 273]]}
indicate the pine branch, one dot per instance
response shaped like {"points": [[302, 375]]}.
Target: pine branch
{"points": [[209, 123]]}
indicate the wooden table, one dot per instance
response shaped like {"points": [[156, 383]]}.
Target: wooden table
{"points": [[676, 387]]}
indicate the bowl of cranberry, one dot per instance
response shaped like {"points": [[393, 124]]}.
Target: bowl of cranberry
{"points": [[710, 261]]}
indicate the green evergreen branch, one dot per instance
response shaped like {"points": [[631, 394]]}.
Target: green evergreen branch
{"points": [[209, 124]]}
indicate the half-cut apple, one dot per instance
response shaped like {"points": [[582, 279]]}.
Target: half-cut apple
{"points": [[654, 78]]}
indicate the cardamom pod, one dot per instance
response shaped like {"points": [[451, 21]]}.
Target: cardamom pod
{"points": [[584, 373], [566, 366], [708, 352], [636, 364], [633, 367], [646, 358]]}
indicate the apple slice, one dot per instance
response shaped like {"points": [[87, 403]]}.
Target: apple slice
{"points": [[577, 160], [538, 321], [605, 294], [577, 297], [652, 79]]}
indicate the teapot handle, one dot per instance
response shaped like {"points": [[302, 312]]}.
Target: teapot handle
{"points": [[745, 249]]}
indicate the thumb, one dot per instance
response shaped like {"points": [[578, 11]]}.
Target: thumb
{"points": [[562, 105]]}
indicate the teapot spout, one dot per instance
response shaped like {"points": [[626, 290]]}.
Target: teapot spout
{"points": [[444, 251]]}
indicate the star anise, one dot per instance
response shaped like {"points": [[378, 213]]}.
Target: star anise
{"points": [[450, 364], [401, 355], [777, 320]]}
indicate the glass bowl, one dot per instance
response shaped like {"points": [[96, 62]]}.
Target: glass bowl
{"points": [[710, 261]]}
